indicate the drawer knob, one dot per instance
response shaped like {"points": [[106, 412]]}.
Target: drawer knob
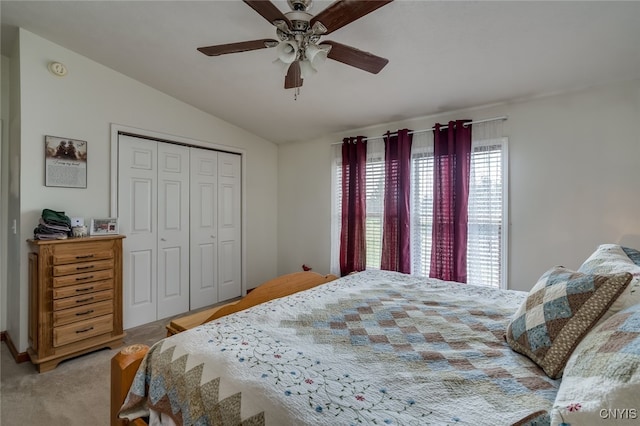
{"points": [[84, 289], [90, 311], [84, 300], [84, 330]]}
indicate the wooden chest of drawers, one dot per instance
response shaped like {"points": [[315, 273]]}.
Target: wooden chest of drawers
{"points": [[75, 298]]}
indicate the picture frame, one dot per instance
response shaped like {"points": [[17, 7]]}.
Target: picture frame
{"points": [[104, 226], [65, 162]]}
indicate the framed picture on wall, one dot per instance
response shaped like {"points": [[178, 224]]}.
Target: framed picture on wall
{"points": [[65, 162], [106, 226]]}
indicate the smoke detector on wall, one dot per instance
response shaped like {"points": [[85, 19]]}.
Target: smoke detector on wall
{"points": [[58, 69]]}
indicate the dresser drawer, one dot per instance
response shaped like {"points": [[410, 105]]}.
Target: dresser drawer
{"points": [[81, 313], [84, 299], [81, 253], [74, 268], [82, 330], [86, 277], [80, 289]]}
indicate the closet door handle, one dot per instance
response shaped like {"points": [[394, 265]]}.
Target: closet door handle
{"points": [[162, 239]]}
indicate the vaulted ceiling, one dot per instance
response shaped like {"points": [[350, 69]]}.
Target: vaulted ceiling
{"points": [[443, 56]]}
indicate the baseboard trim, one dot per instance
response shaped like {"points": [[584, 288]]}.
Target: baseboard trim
{"points": [[19, 357]]}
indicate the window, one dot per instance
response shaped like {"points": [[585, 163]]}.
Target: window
{"points": [[487, 226], [421, 209], [375, 210], [486, 214]]}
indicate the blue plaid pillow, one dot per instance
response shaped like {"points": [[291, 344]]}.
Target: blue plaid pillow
{"points": [[559, 310]]}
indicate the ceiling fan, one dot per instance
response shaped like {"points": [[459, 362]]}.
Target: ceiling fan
{"points": [[299, 32]]}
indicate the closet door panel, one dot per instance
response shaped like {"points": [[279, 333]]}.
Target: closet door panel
{"points": [[173, 229], [141, 287], [141, 209], [204, 217], [137, 189], [170, 262]]}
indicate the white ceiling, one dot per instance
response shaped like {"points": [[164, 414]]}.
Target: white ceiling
{"points": [[444, 55]]}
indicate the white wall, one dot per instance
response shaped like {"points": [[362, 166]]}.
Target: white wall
{"points": [[83, 105], [574, 174]]}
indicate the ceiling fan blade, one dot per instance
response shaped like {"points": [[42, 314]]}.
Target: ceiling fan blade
{"points": [[243, 46], [294, 76], [343, 12], [268, 11], [356, 58]]}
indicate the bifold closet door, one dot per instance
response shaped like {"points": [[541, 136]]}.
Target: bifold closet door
{"points": [[229, 226], [173, 229], [204, 228], [137, 214], [153, 209], [216, 264]]}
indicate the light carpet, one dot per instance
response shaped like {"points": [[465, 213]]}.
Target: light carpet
{"points": [[74, 393]]}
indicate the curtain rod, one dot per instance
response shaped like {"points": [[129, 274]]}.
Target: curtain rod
{"points": [[486, 120]]}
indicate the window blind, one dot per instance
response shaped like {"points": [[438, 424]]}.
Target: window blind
{"points": [[484, 240], [421, 212], [375, 206]]}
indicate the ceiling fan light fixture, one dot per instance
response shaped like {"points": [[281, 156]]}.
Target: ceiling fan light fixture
{"points": [[306, 69], [317, 54], [287, 51]]}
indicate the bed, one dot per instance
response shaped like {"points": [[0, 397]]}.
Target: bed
{"points": [[375, 347]]}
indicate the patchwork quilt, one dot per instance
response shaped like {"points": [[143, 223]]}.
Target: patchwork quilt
{"points": [[375, 347]]}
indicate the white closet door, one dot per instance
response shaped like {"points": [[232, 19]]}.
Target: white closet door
{"points": [[180, 209], [173, 229], [229, 226], [204, 223], [137, 189]]}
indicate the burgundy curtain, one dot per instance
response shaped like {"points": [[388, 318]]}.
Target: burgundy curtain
{"points": [[396, 253], [352, 234], [452, 159]]}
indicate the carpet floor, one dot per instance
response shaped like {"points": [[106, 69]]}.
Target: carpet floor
{"points": [[74, 393]]}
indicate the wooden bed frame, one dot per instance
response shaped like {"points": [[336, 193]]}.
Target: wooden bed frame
{"points": [[126, 362]]}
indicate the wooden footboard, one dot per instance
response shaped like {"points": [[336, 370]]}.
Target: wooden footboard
{"points": [[278, 287], [123, 369], [125, 364]]}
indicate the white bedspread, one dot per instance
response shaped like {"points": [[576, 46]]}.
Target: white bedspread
{"points": [[371, 348]]}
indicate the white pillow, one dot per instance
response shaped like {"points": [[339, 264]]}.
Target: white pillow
{"points": [[601, 381], [612, 259]]}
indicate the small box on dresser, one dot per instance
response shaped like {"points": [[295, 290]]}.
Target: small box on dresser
{"points": [[75, 298]]}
